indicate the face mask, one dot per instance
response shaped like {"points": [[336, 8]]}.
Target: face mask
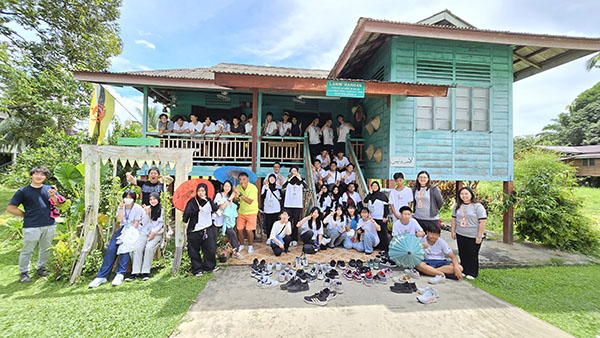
{"points": [[128, 201]]}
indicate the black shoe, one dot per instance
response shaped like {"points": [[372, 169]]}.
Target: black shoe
{"points": [[359, 263], [319, 298], [288, 284], [255, 264], [332, 263], [451, 276], [352, 263], [329, 293], [145, 277], [341, 264], [132, 277], [364, 269], [332, 274], [24, 278], [299, 286], [401, 288], [42, 272]]}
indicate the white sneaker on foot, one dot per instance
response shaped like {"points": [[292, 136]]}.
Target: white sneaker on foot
{"points": [[118, 279], [97, 282], [294, 243], [437, 279], [240, 248], [250, 249], [469, 277]]}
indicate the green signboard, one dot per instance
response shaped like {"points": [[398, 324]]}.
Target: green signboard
{"points": [[346, 89]]}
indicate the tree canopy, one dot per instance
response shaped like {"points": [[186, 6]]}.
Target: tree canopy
{"points": [[42, 43]]}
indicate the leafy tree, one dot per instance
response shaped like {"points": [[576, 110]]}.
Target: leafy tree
{"points": [[152, 117], [593, 62], [43, 42]]}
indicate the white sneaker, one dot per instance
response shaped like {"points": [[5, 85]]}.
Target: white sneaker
{"points": [[118, 279], [430, 290], [250, 249], [427, 298], [97, 282], [282, 276], [437, 279], [326, 240], [294, 243], [268, 282], [240, 248], [413, 273], [469, 277]]}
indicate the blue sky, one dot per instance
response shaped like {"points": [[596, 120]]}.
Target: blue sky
{"points": [[311, 34]]}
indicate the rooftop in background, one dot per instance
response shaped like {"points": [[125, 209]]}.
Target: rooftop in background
{"points": [[576, 152], [533, 53]]}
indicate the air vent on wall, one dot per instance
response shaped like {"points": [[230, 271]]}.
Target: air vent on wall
{"points": [[379, 74], [434, 70], [473, 72]]}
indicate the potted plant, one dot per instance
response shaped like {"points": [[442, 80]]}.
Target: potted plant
{"points": [[224, 249]]}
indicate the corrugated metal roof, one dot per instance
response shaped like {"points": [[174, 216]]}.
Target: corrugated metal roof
{"points": [[233, 68], [574, 149], [182, 73]]}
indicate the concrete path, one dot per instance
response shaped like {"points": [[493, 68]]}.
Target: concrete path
{"points": [[232, 305]]}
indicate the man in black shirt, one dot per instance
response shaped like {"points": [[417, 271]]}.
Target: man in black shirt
{"points": [[236, 127], [148, 187]]}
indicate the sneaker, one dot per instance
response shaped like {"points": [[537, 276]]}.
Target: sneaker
{"points": [[437, 279], [118, 279], [294, 243], [240, 248], [42, 272], [333, 263], [339, 287], [388, 272], [285, 286], [327, 283], [250, 249], [341, 264], [97, 282], [317, 299], [304, 262], [368, 281], [320, 273], [356, 276], [332, 274], [299, 286], [282, 276], [132, 277], [215, 269], [270, 267], [297, 263], [469, 277], [413, 273], [268, 282], [278, 266], [348, 274], [290, 275], [427, 298], [402, 278], [24, 277], [326, 240], [430, 290], [401, 288], [359, 263], [352, 263], [382, 279], [145, 277], [198, 274], [376, 264], [329, 293]]}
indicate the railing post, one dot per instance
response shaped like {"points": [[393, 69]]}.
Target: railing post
{"points": [[258, 119], [145, 113]]}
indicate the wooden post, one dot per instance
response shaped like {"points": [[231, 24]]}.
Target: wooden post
{"points": [[459, 185], [258, 125], [145, 114], [182, 170], [508, 216], [254, 127]]}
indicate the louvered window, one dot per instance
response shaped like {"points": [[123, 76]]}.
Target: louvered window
{"points": [[473, 72], [379, 74], [471, 110], [434, 70], [428, 70]]}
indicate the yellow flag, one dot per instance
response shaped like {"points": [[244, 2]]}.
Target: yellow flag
{"points": [[102, 110]]}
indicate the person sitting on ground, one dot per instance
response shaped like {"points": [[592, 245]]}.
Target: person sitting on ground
{"points": [[352, 217], [208, 127], [129, 215], [153, 184], [367, 230], [285, 127], [336, 194], [222, 126], [342, 131], [270, 127], [406, 224], [336, 226], [319, 175], [434, 263], [324, 200], [277, 172], [181, 125], [334, 177], [349, 175], [292, 201], [314, 137], [164, 124], [248, 126], [226, 218], [195, 126], [150, 234], [327, 133], [236, 127], [296, 129], [341, 161], [311, 228], [201, 232], [400, 196], [247, 193], [38, 225], [271, 197], [350, 196], [324, 158], [280, 235]]}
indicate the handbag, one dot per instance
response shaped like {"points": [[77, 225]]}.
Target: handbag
{"points": [[309, 249]]}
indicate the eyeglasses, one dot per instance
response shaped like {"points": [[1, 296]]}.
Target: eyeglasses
{"points": [[129, 191]]}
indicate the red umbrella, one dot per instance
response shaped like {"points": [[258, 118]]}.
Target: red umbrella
{"points": [[187, 190]]}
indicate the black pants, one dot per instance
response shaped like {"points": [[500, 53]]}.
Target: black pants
{"points": [[340, 146], [307, 237], [468, 251], [196, 242], [315, 149], [295, 215], [329, 148], [232, 237], [286, 244], [384, 239], [269, 220]]}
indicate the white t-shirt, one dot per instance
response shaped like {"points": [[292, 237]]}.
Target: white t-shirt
{"points": [[411, 228], [337, 223], [136, 213], [439, 250], [319, 175], [183, 127], [400, 198], [278, 229], [195, 127], [326, 203], [271, 202], [376, 208], [343, 131], [248, 128], [369, 227], [351, 178], [327, 135], [343, 162], [293, 196], [284, 127], [304, 228], [270, 127], [324, 160], [211, 128], [278, 181], [220, 199], [355, 196], [223, 126], [314, 134], [204, 217], [334, 177]]}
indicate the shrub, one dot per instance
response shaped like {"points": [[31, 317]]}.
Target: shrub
{"points": [[548, 211], [93, 262]]}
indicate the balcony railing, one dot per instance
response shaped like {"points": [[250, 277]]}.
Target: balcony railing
{"points": [[285, 150]]}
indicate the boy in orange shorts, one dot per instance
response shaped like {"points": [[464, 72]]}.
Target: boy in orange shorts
{"points": [[246, 221]]}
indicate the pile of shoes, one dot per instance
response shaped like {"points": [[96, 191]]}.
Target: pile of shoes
{"points": [[369, 273]]}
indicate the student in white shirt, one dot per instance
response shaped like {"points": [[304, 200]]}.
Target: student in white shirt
{"points": [[319, 175], [280, 236], [194, 126], [270, 126], [292, 201], [341, 160], [336, 226], [376, 202], [314, 137], [277, 172], [151, 229], [222, 126], [180, 126], [311, 228], [334, 177], [406, 224], [225, 200], [208, 127], [248, 125], [400, 196], [367, 230], [285, 127], [434, 262], [271, 198], [324, 200], [324, 158], [342, 131], [349, 176], [327, 133], [350, 196]]}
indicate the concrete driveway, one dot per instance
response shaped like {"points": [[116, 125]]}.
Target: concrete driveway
{"points": [[232, 305]]}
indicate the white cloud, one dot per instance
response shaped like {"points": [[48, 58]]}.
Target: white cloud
{"points": [[145, 43], [142, 33], [120, 64]]}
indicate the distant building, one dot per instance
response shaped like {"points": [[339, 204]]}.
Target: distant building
{"points": [[585, 158]]}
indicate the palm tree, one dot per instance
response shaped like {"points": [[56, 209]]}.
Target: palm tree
{"points": [[152, 117], [593, 62]]}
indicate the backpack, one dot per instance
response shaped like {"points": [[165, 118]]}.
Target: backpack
{"points": [[309, 249]]}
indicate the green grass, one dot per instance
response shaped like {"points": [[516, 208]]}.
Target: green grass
{"points": [[5, 196], [567, 297], [591, 203], [52, 309]]}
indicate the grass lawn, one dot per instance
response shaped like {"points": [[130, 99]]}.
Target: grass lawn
{"points": [[591, 203], [52, 309], [5, 196], [567, 297]]}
